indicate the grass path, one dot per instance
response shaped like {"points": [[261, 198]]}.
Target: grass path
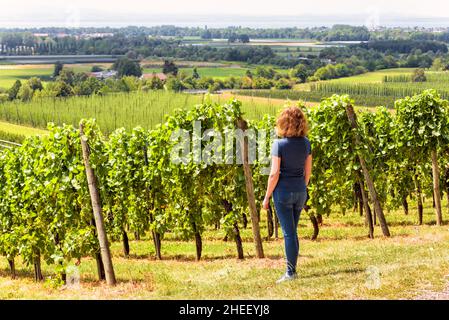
{"points": [[19, 129], [342, 264]]}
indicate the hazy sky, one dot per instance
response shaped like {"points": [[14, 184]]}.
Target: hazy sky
{"points": [[68, 11]]}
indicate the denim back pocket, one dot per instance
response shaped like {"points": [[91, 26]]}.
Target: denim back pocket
{"points": [[282, 196]]}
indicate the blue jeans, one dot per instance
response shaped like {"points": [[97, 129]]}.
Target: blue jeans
{"points": [[288, 209]]}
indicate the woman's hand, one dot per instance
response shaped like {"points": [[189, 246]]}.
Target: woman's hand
{"points": [[266, 203], [272, 180]]}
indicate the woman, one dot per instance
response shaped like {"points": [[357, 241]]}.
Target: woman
{"points": [[290, 174]]}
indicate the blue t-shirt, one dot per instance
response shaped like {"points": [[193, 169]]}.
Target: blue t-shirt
{"points": [[293, 153]]}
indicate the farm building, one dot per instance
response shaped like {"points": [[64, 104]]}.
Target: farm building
{"points": [[96, 35], [102, 75]]}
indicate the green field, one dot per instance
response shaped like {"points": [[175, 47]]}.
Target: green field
{"points": [[9, 74], [148, 109], [112, 111], [219, 73], [292, 48], [377, 91], [374, 77], [87, 67], [367, 89], [342, 264]]}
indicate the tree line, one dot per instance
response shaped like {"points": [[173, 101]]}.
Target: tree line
{"points": [[371, 55], [339, 32]]}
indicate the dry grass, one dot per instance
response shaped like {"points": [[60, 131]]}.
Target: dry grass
{"points": [[342, 264]]}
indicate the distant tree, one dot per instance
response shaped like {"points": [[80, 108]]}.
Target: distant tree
{"points": [[232, 83], [300, 72], [265, 72], [170, 68], [131, 55], [232, 38], [89, 87], [127, 67], [190, 83], [249, 74], [244, 38], [419, 75], [182, 75], [359, 70], [67, 76], [326, 73], [342, 70], [204, 82], [25, 93], [216, 86], [35, 84], [58, 68], [247, 83], [262, 83], [206, 35], [156, 83], [80, 77], [131, 83], [62, 89], [174, 84], [96, 69], [283, 84], [14, 90], [195, 74], [437, 64]]}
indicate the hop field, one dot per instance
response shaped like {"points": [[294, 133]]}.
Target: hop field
{"points": [[113, 111]]}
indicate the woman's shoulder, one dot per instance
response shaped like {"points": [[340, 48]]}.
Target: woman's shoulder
{"points": [[283, 141]]}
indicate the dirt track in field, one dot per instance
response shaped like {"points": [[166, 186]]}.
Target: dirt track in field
{"points": [[280, 102]]}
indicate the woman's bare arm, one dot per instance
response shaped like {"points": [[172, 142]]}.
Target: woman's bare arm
{"points": [[308, 169], [272, 180]]}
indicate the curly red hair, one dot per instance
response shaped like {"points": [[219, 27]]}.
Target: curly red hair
{"points": [[292, 123]]}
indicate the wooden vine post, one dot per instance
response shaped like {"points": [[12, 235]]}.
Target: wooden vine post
{"points": [[436, 187], [446, 185], [368, 217], [12, 267], [369, 182], [156, 236], [243, 125], [235, 230], [99, 221]]}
